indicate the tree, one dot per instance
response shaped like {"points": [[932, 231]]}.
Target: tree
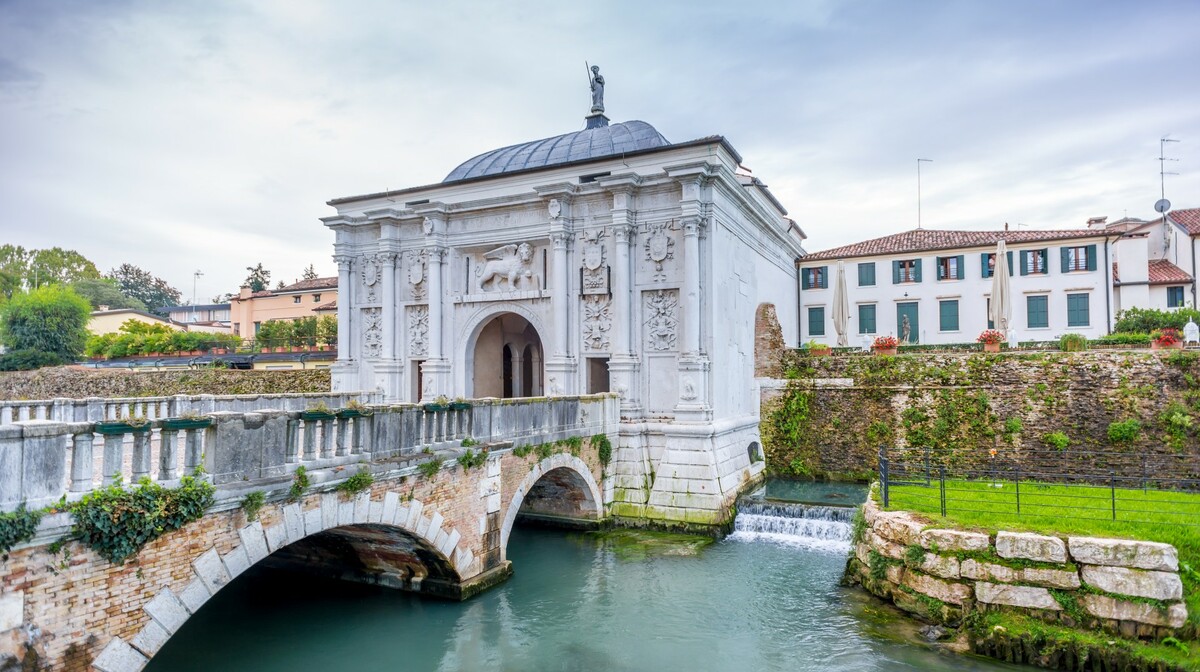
{"points": [[259, 278], [310, 273], [145, 287], [49, 319], [57, 265], [104, 292], [14, 266]]}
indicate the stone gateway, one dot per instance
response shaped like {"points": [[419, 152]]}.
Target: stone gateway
{"points": [[607, 259]]}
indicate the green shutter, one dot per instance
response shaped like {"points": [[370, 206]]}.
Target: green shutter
{"points": [[1066, 259], [983, 259], [866, 319], [816, 321], [804, 276], [916, 270], [937, 265], [961, 271], [895, 272], [1024, 262], [1008, 258], [1046, 260], [948, 315], [1091, 257]]}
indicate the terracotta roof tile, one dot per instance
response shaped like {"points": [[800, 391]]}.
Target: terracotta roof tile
{"points": [[1163, 272], [332, 305], [315, 283], [1188, 219], [925, 240]]}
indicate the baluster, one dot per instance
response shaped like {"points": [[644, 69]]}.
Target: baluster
{"points": [[343, 445], [359, 425], [114, 454], [310, 440], [81, 462], [326, 438], [141, 456], [293, 429], [193, 450], [168, 455]]}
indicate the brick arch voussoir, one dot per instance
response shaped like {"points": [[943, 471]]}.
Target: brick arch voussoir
{"points": [[168, 610]]}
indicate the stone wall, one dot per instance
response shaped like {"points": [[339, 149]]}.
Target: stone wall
{"points": [[79, 383], [830, 415], [1130, 588]]}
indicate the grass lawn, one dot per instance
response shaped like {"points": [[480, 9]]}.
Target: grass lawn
{"points": [[1154, 515]]}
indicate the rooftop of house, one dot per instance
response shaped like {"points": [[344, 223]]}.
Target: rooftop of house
{"points": [[929, 240], [300, 286], [1188, 218]]}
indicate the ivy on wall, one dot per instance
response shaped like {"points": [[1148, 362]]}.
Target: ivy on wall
{"points": [[117, 523]]}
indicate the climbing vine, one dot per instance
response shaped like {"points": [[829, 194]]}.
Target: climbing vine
{"points": [[117, 523], [18, 526]]}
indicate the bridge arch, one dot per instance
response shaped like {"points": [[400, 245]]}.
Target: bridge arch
{"points": [[368, 524], [561, 471]]}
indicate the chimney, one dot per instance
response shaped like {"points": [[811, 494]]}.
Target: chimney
{"points": [[244, 292], [1096, 222]]}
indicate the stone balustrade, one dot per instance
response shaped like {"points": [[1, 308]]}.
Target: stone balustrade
{"points": [[1128, 587], [95, 409], [245, 440]]}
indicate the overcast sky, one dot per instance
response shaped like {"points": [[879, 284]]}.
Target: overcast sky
{"points": [[208, 135]]}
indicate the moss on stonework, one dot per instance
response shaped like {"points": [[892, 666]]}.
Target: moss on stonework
{"points": [[641, 544]]}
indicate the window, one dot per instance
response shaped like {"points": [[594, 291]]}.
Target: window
{"points": [[906, 270], [296, 299], [866, 274], [991, 322], [256, 327], [1078, 310], [1037, 312], [1033, 262], [948, 315], [815, 278], [1175, 297], [816, 321], [866, 319], [950, 268], [988, 261], [316, 298], [1082, 258]]}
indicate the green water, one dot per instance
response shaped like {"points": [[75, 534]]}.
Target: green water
{"points": [[576, 603]]}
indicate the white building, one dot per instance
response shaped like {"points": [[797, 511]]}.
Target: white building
{"points": [[604, 259], [938, 284], [1155, 261]]}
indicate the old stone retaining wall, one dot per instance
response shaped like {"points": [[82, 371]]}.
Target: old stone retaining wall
{"points": [[79, 383], [829, 415], [1131, 588]]}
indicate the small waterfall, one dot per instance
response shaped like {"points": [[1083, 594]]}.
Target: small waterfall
{"points": [[807, 525]]}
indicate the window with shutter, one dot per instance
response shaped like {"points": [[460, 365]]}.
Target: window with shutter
{"points": [[948, 315], [866, 274], [816, 321], [1078, 310], [1175, 297], [1037, 312], [866, 319]]}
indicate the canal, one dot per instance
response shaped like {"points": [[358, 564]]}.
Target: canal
{"points": [[764, 598]]}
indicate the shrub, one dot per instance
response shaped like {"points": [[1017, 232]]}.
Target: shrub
{"points": [[49, 319], [300, 483], [1124, 432], [431, 468], [25, 360], [252, 503], [1146, 320], [1127, 338], [471, 459], [357, 483], [1057, 440], [1072, 342], [327, 330]]}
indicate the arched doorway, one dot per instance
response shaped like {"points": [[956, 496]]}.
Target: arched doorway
{"points": [[507, 359]]}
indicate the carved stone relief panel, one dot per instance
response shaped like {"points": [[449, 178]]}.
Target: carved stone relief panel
{"points": [[510, 268], [593, 257], [370, 271], [660, 310], [372, 326], [418, 331], [659, 248], [597, 322], [415, 262]]}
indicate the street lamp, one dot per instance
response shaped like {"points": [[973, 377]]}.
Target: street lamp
{"points": [[195, 277]]}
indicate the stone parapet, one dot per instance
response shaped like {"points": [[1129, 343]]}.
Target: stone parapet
{"points": [[1127, 587]]}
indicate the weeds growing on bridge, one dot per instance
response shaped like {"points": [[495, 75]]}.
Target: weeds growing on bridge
{"points": [[252, 503], [18, 527], [117, 523], [356, 483], [471, 459], [431, 468], [300, 483]]}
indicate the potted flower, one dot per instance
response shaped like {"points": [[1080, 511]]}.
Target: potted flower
{"points": [[189, 420], [317, 412], [354, 409], [441, 403], [885, 345], [135, 424], [991, 339], [1165, 338], [816, 349]]}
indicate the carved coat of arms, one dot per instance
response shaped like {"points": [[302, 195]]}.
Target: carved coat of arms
{"points": [[370, 275], [595, 280], [660, 246]]}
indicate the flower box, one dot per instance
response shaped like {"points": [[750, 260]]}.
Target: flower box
{"points": [[314, 415], [884, 351], [991, 347], [460, 405], [186, 423], [434, 408], [823, 351], [354, 413], [111, 427]]}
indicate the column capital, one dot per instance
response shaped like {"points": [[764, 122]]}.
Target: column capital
{"points": [[623, 234], [436, 253], [561, 239], [387, 256], [343, 261], [692, 226]]}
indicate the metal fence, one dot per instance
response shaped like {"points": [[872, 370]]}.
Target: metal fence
{"points": [[1147, 488]]}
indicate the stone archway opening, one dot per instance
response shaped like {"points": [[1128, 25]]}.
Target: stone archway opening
{"points": [[374, 554], [560, 498], [507, 359]]}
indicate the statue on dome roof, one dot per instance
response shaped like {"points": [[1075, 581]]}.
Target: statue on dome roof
{"points": [[597, 83]]}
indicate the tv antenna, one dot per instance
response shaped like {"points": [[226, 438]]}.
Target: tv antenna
{"points": [[1162, 170], [919, 190]]}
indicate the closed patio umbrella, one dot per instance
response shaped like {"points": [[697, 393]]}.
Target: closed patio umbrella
{"points": [[841, 307], [1000, 311]]}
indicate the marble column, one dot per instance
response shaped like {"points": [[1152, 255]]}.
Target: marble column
{"points": [[436, 256], [345, 290], [558, 293], [624, 364], [391, 325], [691, 286]]}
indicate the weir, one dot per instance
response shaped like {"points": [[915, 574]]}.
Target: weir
{"points": [[794, 523]]}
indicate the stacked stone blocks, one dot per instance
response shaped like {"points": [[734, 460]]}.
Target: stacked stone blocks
{"points": [[1127, 587]]}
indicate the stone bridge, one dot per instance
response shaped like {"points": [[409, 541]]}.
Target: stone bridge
{"points": [[443, 533]]}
